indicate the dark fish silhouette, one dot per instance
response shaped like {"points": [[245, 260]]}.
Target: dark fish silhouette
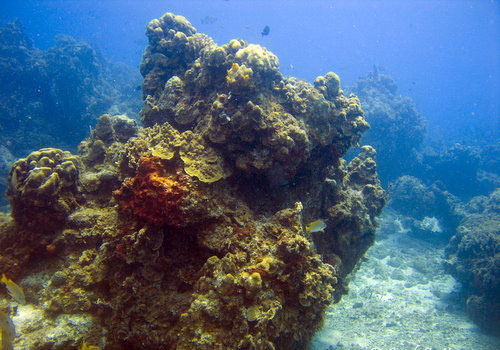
{"points": [[265, 31], [208, 20]]}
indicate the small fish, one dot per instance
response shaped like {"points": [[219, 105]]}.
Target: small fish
{"points": [[266, 30], [7, 332], [316, 226], [88, 347], [15, 291]]}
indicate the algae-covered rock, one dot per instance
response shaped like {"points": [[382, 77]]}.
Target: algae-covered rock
{"points": [[262, 62], [115, 128], [356, 199], [329, 85], [473, 259], [412, 198], [100, 154], [189, 232]]}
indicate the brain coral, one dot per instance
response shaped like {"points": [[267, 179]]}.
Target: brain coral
{"points": [[196, 239], [42, 188]]}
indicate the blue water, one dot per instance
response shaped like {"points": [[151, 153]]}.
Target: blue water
{"points": [[443, 54]]}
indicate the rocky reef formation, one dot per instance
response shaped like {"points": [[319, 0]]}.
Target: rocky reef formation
{"points": [[397, 129], [473, 259], [464, 170], [6, 160], [51, 97], [189, 232], [397, 133], [430, 212]]}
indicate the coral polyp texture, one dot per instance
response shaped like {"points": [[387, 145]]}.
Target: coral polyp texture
{"points": [[188, 233], [42, 187]]}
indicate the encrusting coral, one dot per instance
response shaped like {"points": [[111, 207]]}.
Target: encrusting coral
{"points": [[189, 232]]}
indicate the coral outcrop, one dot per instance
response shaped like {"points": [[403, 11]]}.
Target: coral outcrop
{"points": [[43, 187], [430, 212], [6, 160], [473, 259], [464, 170], [189, 232], [51, 97], [256, 119], [398, 129]]}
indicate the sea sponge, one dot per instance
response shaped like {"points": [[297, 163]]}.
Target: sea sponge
{"points": [[157, 194], [43, 187]]}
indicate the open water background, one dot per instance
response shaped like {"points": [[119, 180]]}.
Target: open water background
{"points": [[443, 54]]}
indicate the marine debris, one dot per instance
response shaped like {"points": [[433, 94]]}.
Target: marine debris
{"points": [[188, 233]]}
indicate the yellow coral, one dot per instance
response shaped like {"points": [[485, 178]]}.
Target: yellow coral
{"points": [[258, 59], [239, 76], [165, 142], [235, 44], [46, 180], [199, 159]]}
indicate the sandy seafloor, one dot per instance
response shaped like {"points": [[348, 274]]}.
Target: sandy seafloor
{"points": [[401, 298]]}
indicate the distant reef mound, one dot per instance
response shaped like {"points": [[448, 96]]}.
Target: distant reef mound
{"points": [[397, 129], [52, 97], [190, 232]]}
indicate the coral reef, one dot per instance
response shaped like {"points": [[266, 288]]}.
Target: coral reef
{"points": [[254, 117], [350, 187], [428, 211], [473, 258], [189, 232], [42, 188], [50, 97], [6, 160], [397, 129], [397, 133], [464, 170]]}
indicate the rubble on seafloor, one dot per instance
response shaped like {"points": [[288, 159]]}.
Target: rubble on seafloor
{"points": [[189, 232]]}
